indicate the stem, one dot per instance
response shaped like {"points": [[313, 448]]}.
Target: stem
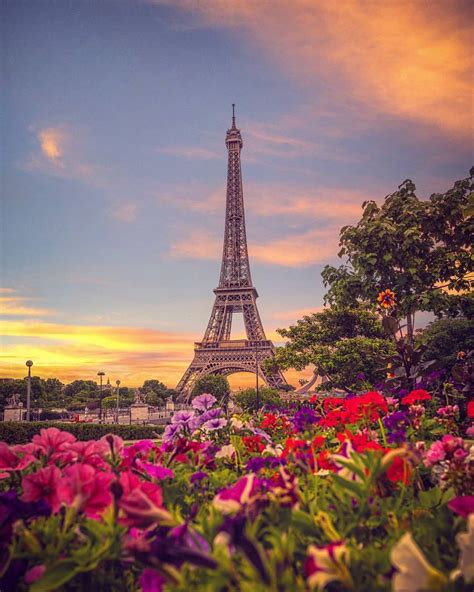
{"points": [[382, 429]]}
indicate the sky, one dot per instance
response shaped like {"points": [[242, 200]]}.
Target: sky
{"points": [[113, 162]]}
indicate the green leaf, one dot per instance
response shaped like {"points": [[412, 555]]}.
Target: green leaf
{"points": [[55, 576]]}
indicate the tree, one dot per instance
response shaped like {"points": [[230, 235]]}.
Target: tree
{"points": [[215, 384], [445, 338], [247, 399], [157, 393], [347, 345], [421, 250]]}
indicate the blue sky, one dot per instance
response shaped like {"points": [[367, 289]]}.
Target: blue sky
{"points": [[113, 172]]}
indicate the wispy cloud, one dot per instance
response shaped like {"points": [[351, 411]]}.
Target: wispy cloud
{"points": [[410, 60], [295, 250], [291, 316], [18, 306], [124, 212]]}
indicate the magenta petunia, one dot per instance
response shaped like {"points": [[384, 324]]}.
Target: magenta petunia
{"points": [[462, 505], [44, 484]]}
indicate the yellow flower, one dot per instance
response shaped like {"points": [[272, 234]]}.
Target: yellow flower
{"points": [[414, 573], [387, 298]]}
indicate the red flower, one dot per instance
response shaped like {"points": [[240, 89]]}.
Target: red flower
{"points": [[43, 484], [470, 409], [399, 470], [87, 488], [415, 396], [253, 443]]}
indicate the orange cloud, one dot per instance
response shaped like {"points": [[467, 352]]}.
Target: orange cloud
{"points": [[51, 142], [296, 250], [408, 59], [13, 306], [291, 316]]}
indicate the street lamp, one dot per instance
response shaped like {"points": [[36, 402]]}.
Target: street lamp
{"points": [[117, 382], [100, 375], [29, 363]]}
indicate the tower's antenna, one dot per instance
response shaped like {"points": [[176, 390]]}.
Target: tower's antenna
{"points": [[233, 114]]}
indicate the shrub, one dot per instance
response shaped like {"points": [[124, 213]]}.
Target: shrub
{"points": [[247, 399], [19, 433]]}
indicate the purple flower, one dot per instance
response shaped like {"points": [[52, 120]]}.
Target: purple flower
{"points": [[151, 581], [305, 418], [259, 432], [212, 413], [182, 417], [203, 402], [257, 463], [396, 424], [197, 477], [172, 431], [214, 424]]}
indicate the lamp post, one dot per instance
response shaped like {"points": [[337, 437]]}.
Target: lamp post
{"points": [[20, 405], [100, 375], [29, 363], [117, 382], [256, 375]]}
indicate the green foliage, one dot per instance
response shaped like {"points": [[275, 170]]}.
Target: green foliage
{"points": [[215, 384], [21, 432], [156, 392], [247, 399], [347, 345], [414, 247], [444, 338]]}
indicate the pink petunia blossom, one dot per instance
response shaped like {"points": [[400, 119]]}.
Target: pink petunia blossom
{"points": [[12, 459], [462, 505], [239, 496], [44, 484], [86, 488], [52, 441], [435, 454], [141, 502]]}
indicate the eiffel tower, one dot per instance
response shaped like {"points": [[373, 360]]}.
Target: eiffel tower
{"points": [[217, 353]]}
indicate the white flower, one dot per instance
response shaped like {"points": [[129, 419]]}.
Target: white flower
{"points": [[236, 423], [328, 564], [414, 573], [226, 451], [465, 542]]}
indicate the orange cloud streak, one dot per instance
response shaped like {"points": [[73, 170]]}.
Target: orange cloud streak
{"points": [[408, 59]]}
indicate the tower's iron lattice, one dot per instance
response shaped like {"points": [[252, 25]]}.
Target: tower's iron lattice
{"points": [[217, 353]]}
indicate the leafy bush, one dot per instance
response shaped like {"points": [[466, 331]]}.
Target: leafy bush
{"points": [[247, 399], [19, 433]]}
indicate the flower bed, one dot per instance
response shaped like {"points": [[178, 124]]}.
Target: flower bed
{"points": [[361, 493]]}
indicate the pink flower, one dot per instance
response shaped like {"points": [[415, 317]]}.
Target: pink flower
{"points": [[43, 484], [142, 502], [435, 454], [112, 441], [91, 452], [328, 564], [10, 460], [451, 443], [51, 441], [239, 496], [157, 471], [34, 574], [86, 488], [462, 505], [470, 432]]}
